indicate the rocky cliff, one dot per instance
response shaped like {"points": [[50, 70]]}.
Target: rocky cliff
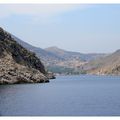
{"points": [[17, 64]]}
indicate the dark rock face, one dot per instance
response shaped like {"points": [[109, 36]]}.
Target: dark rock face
{"points": [[17, 64], [2, 35]]}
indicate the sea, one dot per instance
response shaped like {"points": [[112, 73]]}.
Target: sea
{"points": [[77, 95]]}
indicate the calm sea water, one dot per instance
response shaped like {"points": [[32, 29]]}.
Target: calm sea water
{"points": [[64, 96]]}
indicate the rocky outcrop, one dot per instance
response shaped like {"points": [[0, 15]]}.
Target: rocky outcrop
{"points": [[17, 64], [51, 75]]}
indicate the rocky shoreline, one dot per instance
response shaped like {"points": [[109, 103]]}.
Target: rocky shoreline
{"points": [[18, 65]]}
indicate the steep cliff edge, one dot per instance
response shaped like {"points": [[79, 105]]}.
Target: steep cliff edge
{"points": [[17, 64]]}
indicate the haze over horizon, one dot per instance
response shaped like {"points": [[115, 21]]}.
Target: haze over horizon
{"points": [[84, 28]]}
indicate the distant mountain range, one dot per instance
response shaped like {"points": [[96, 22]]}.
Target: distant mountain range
{"points": [[59, 60], [45, 56], [66, 62], [68, 55]]}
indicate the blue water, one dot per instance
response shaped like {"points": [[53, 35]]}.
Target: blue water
{"points": [[64, 96]]}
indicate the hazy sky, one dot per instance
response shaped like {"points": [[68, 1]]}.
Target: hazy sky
{"points": [[76, 27]]}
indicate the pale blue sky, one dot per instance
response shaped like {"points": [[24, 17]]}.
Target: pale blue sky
{"points": [[82, 28]]}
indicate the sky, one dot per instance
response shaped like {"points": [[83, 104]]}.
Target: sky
{"points": [[85, 28]]}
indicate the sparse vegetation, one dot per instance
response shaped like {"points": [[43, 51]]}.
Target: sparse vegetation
{"points": [[17, 64]]}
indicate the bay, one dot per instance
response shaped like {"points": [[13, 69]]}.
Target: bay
{"points": [[80, 95]]}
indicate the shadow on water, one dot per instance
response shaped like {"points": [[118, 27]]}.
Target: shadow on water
{"points": [[1, 114]]}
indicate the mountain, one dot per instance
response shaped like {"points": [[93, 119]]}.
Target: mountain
{"points": [[17, 64], [72, 61], [62, 61], [58, 60], [46, 57], [106, 65], [67, 55]]}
